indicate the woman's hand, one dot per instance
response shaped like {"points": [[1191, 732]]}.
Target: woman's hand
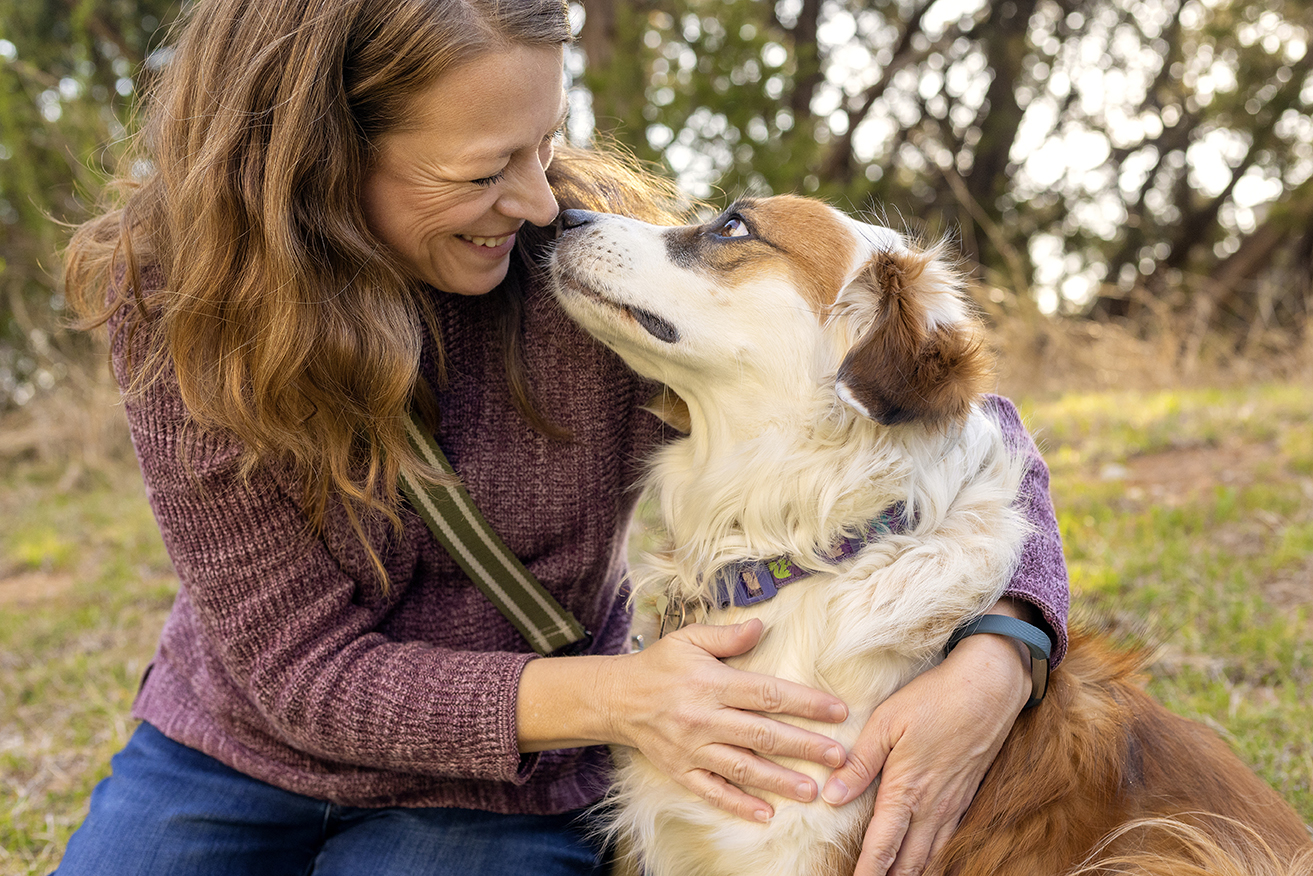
{"points": [[694, 718], [931, 743], [691, 715]]}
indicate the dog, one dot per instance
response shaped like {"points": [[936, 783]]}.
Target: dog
{"points": [[829, 377]]}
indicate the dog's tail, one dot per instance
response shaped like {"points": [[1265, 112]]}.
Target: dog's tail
{"points": [[1196, 844]]}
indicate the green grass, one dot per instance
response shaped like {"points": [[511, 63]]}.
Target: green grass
{"points": [[1187, 519], [86, 588]]}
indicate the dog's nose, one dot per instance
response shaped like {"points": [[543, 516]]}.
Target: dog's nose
{"points": [[571, 219]]}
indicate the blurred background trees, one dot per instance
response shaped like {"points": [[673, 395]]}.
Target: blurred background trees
{"points": [[70, 71], [1103, 158], [1144, 163]]}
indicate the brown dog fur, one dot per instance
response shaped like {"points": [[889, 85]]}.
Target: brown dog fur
{"points": [[902, 370], [1098, 754], [1099, 778]]}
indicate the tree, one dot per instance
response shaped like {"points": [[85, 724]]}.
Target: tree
{"points": [[1121, 159]]}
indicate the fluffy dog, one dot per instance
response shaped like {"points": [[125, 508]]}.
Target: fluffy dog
{"points": [[829, 377]]}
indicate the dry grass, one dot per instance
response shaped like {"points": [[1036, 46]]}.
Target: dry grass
{"points": [[78, 427], [85, 586], [1041, 357]]}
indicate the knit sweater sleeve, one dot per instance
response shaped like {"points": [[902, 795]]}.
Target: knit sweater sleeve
{"points": [[280, 629], [1041, 575]]}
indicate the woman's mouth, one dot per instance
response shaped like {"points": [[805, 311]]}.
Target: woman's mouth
{"points": [[489, 242]]}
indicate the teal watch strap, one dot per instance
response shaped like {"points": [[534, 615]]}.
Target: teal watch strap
{"points": [[1036, 641]]}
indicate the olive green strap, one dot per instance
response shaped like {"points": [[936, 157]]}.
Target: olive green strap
{"points": [[498, 573]]}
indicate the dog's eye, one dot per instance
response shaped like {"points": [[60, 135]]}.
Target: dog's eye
{"points": [[734, 226]]}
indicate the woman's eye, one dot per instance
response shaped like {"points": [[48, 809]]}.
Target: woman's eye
{"points": [[490, 180], [733, 227]]}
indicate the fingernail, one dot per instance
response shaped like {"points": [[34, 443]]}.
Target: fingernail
{"points": [[834, 756], [838, 712], [835, 792], [806, 791], [763, 815]]}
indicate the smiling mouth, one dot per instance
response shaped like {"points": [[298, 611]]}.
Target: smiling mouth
{"points": [[489, 242]]}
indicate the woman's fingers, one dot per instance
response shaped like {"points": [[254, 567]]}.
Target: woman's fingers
{"points": [[774, 696], [931, 743], [712, 727], [776, 738], [747, 698], [747, 769], [713, 788], [761, 693], [721, 641]]}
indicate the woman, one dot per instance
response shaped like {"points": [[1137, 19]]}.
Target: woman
{"points": [[339, 219]]}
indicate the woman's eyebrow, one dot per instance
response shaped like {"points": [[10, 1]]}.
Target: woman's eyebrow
{"points": [[508, 152]]}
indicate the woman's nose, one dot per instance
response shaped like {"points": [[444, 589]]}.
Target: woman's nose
{"points": [[529, 196]]}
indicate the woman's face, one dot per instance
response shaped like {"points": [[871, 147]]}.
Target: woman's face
{"points": [[448, 191]]}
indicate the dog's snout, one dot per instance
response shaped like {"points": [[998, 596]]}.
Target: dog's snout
{"points": [[571, 219]]}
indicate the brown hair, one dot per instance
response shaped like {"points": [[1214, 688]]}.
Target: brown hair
{"points": [[283, 317]]}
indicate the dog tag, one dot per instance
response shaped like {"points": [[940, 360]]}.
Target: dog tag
{"points": [[673, 614]]}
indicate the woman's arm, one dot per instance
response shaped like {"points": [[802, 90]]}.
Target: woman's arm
{"points": [[1040, 581], [930, 744], [276, 631]]}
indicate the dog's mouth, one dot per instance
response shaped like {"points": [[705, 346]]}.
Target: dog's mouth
{"points": [[654, 325], [658, 327]]}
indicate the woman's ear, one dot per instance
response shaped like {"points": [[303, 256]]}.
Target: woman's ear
{"points": [[923, 356]]}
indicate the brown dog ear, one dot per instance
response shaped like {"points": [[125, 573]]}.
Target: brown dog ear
{"points": [[923, 357]]}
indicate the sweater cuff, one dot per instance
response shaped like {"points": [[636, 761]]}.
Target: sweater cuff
{"points": [[477, 703]]}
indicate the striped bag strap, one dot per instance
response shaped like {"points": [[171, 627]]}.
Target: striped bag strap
{"points": [[455, 521]]}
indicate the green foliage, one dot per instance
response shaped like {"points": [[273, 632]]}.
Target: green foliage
{"points": [[1116, 151], [711, 76], [1116, 157], [70, 71]]}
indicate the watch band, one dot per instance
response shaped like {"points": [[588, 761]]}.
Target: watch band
{"points": [[1036, 641]]}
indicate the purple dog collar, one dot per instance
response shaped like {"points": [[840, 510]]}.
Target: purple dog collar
{"points": [[751, 581]]}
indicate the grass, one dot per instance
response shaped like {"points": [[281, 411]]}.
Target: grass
{"points": [[1187, 518], [86, 587]]}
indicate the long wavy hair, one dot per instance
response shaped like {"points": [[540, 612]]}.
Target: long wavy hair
{"points": [[284, 319]]}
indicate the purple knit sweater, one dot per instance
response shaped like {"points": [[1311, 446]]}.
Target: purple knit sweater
{"points": [[283, 658]]}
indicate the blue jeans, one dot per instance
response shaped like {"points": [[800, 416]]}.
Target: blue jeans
{"points": [[168, 809]]}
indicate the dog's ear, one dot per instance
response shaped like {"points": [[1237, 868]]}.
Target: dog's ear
{"points": [[922, 355]]}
